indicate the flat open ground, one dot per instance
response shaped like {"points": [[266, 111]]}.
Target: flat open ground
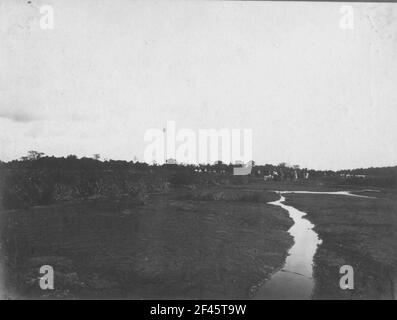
{"points": [[218, 242], [172, 247], [355, 231]]}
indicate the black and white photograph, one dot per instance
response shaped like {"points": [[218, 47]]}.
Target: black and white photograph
{"points": [[198, 151]]}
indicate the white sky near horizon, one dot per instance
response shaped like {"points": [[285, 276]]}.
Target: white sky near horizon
{"points": [[312, 93]]}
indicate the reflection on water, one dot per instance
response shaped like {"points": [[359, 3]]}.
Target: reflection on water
{"points": [[340, 193], [295, 280]]}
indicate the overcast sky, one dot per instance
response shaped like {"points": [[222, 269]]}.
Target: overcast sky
{"points": [[313, 94]]}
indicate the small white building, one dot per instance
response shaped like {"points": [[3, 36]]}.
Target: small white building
{"points": [[170, 161], [268, 177]]}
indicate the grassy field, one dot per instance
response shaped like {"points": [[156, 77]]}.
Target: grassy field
{"points": [[219, 241], [361, 232], [210, 243]]}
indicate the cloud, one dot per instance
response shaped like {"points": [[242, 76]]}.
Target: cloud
{"points": [[26, 117], [18, 116]]}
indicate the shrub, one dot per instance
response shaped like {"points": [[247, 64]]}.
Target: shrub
{"points": [[181, 179]]}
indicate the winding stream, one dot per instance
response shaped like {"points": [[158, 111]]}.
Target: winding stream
{"points": [[295, 279]]}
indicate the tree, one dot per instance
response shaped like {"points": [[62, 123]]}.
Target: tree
{"points": [[33, 155], [96, 156]]}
